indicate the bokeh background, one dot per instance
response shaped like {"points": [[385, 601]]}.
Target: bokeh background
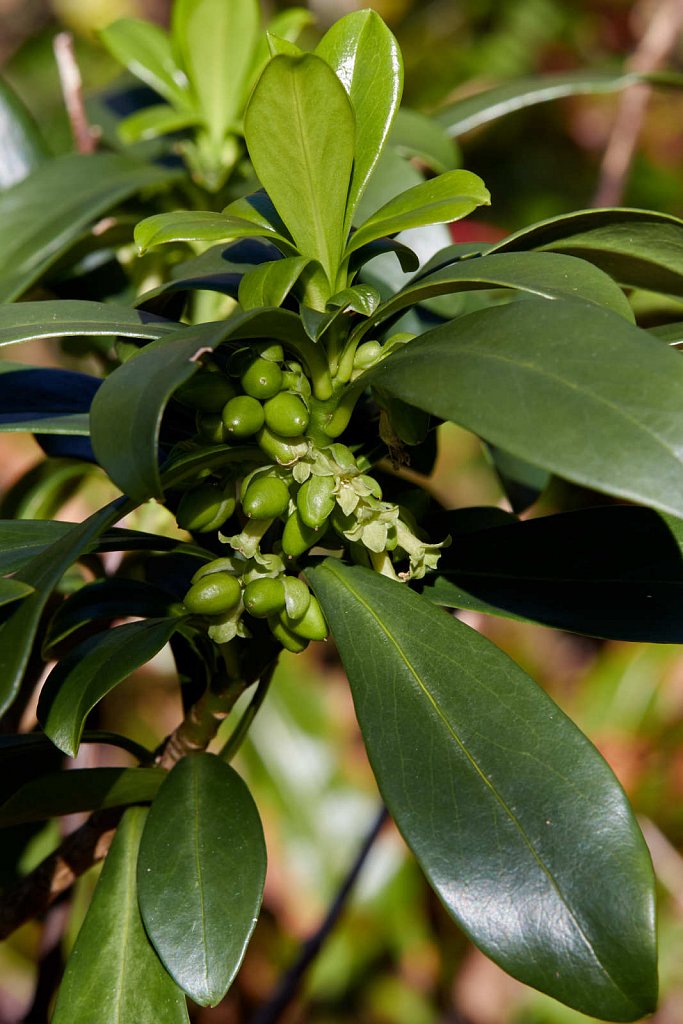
{"points": [[396, 958]]}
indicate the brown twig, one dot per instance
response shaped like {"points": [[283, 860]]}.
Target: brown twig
{"points": [[84, 135], [656, 44]]}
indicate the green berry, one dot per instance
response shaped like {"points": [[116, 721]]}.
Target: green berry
{"points": [[297, 537], [213, 595], [242, 416], [210, 427], [262, 378], [206, 391], [311, 625], [286, 414], [289, 640], [206, 507], [367, 354], [264, 597], [266, 497], [284, 451], [297, 597], [271, 350], [316, 500], [229, 565]]}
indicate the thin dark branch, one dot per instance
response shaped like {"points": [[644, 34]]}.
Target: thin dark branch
{"points": [[288, 986]]}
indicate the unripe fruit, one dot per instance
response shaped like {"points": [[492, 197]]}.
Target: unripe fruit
{"points": [[213, 595], [316, 500], [311, 625], [297, 537], [271, 350], [367, 354], [210, 427], [284, 451], [264, 597], [286, 414], [261, 379], [267, 497], [206, 507], [242, 416], [289, 640], [228, 565], [206, 391], [297, 597]]}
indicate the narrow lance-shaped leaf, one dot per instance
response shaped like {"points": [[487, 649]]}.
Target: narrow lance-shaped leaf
{"points": [[26, 321], [77, 790], [145, 49], [366, 58], [566, 385], [300, 131], [198, 226], [448, 197], [150, 122], [270, 283], [91, 670], [113, 975], [201, 872], [495, 789]]}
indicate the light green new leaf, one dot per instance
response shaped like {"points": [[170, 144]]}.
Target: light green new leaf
{"points": [[113, 975], [44, 215], [91, 670], [448, 197], [286, 26], [565, 385], [201, 872], [495, 790], [196, 226], [415, 135], [26, 321], [367, 60], [639, 248], [269, 284], [23, 148], [145, 49], [126, 412], [300, 131], [43, 573], [217, 42], [150, 122], [78, 790]]}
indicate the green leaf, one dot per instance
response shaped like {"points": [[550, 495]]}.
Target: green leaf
{"points": [[43, 573], [43, 216], [145, 49], [23, 148], [269, 284], [415, 135], [77, 790], [561, 277], [639, 248], [126, 412], [366, 58], [113, 975], [201, 872], [151, 122], [495, 790], [91, 670], [26, 321], [300, 131], [13, 590], [448, 197], [472, 111], [196, 226], [217, 42], [613, 572], [601, 398], [286, 26]]}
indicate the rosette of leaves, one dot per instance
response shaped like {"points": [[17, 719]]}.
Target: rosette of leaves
{"points": [[517, 821]]}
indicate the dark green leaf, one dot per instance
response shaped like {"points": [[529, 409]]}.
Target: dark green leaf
{"points": [[300, 131], [565, 385], [270, 283], [145, 49], [44, 215], [366, 58], [495, 790], [639, 248], [25, 321], [23, 148], [200, 875], [113, 975], [13, 590], [81, 789], [91, 670], [35, 743]]}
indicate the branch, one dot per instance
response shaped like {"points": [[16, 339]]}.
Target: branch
{"points": [[287, 988], [84, 135], [657, 42]]}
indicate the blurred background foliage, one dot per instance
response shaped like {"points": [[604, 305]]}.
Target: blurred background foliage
{"points": [[396, 958]]}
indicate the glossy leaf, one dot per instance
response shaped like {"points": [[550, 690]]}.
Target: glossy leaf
{"points": [[565, 385], [113, 975], [495, 790], [195, 226], [217, 42], [366, 58], [91, 670], [43, 573], [26, 321], [448, 197], [270, 283], [151, 122], [44, 215], [200, 875], [614, 572], [639, 248], [415, 135], [77, 790], [286, 25], [23, 148], [145, 49], [300, 131], [45, 400], [126, 413]]}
